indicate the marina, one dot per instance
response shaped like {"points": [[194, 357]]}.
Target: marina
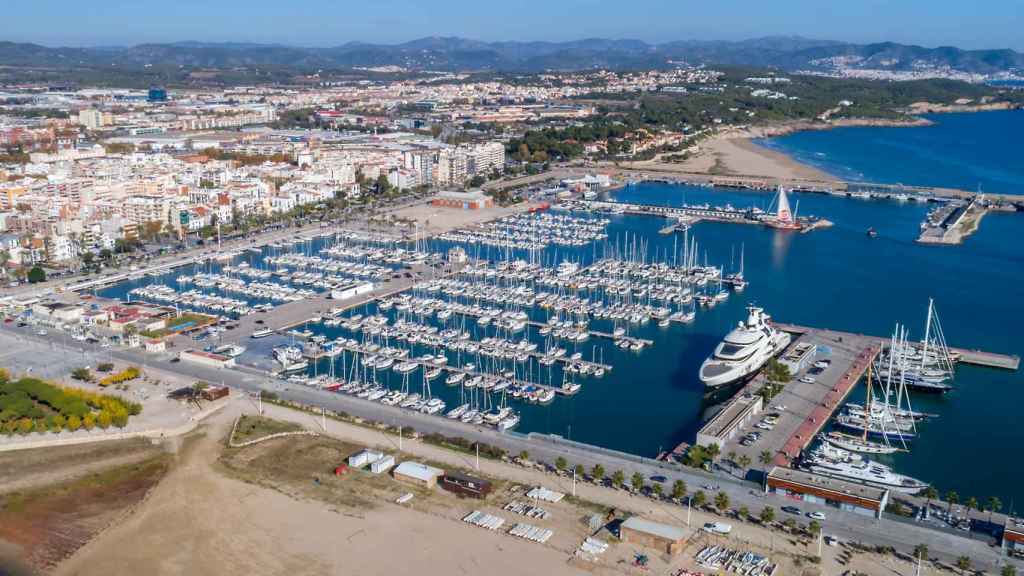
{"points": [[626, 300]]}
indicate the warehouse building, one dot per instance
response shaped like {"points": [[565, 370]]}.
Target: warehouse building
{"points": [[663, 537], [418, 474], [206, 359], [818, 489], [472, 200]]}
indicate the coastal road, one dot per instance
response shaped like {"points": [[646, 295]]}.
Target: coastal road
{"points": [[902, 535]]}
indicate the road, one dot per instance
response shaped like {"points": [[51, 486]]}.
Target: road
{"points": [[903, 535]]}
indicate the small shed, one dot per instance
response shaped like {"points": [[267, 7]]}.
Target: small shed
{"points": [[364, 457], [664, 537], [383, 464], [418, 474]]}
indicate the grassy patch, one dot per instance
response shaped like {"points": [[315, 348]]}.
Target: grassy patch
{"points": [[254, 427]]}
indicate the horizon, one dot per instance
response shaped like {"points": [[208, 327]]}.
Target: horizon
{"points": [[67, 24], [312, 46]]}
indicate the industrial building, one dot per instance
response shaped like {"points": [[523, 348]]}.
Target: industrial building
{"points": [[818, 489], [383, 464], [799, 357], [418, 474], [730, 420], [663, 537], [472, 200]]}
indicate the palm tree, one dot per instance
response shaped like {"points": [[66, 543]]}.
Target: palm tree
{"points": [[1008, 570], [731, 456], [579, 470], [765, 458], [699, 499], [597, 472], [713, 450], [637, 481], [994, 504], [524, 455], [971, 504], [618, 477], [743, 513], [560, 463], [744, 461], [657, 490], [721, 501], [963, 563], [814, 527], [929, 493], [921, 552], [679, 490], [767, 514], [952, 498]]}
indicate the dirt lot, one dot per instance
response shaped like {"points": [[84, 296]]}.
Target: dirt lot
{"points": [[48, 524], [22, 469]]}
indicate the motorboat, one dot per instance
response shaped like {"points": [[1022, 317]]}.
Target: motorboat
{"points": [[744, 350]]}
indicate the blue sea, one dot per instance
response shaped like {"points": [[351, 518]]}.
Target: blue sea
{"points": [[969, 151]]}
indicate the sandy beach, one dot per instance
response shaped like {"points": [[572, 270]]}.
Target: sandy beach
{"points": [[732, 152]]}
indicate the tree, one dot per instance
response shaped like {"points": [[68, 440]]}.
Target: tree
{"points": [[88, 257], [679, 490], [74, 423], [477, 181], [994, 504], [524, 455], [36, 275], [88, 421], [1008, 570], [921, 552], [597, 472], [743, 513], [713, 451], [618, 477], [722, 501], [790, 524], [657, 489], [82, 374], [104, 420], [580, 472], [5, 257], [106, 254], [765, 458], [814, 528], [25, 425], [929, 493], [59, 422], [560, 463], [971, 504], [637, 481], [963, 563], [731, 456], [744, 461], [383, 184], [699, 499], [952, 498]]}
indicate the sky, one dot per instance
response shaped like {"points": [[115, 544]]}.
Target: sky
{"points": [[334, 22]]}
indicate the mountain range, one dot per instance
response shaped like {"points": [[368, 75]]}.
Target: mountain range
{"points": [[450, 53]]}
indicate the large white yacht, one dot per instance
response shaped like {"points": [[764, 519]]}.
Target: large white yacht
{"points": [[862, 471], [744, 350]]}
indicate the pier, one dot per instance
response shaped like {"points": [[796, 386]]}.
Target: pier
{"points": [[804, 409], [689, 215], [422, 364]]}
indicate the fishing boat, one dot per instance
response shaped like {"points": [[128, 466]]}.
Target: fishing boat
{"points": [[261, 333]]}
